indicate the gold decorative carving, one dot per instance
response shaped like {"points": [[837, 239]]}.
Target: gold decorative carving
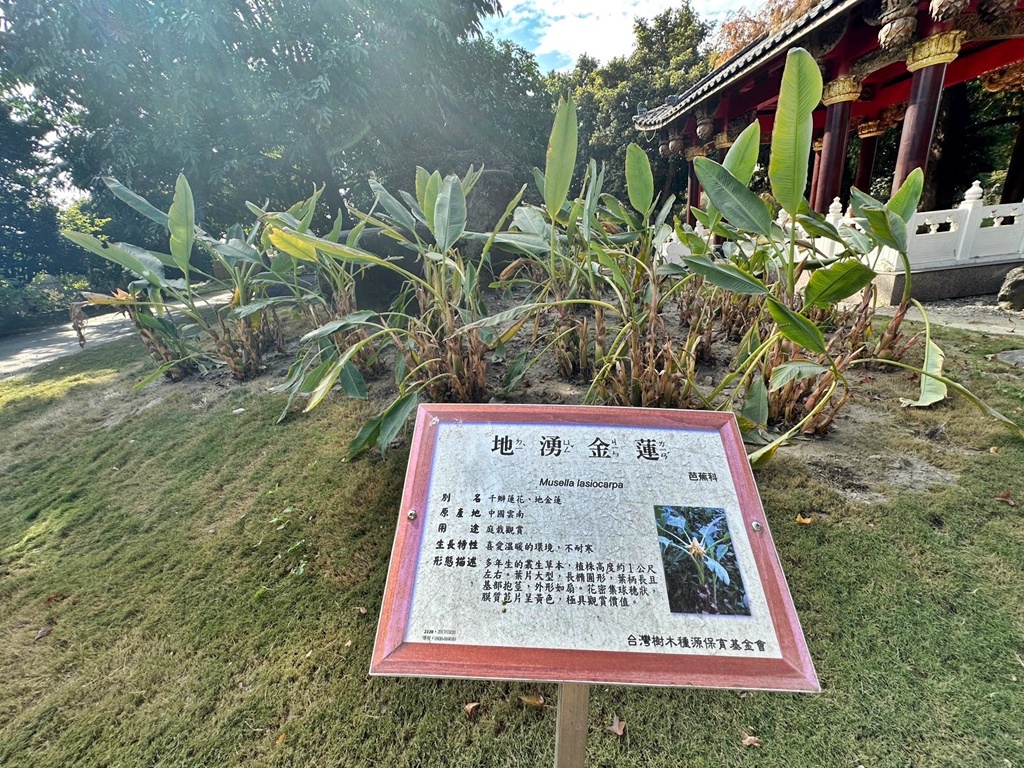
{"points": [[870, 128], [893, 114], [1009, 78], [692, 152], [818, 145], [722, 140], [937, 49], [1010, 26], [839, 90]]}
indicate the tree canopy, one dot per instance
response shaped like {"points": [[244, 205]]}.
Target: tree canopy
{"points": [[668, 58], [252, 98]]}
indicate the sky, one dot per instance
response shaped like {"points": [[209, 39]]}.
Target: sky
{"points": [[558, 31]]}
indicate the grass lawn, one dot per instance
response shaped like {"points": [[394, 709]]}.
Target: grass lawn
{"points": [[211, 583]]}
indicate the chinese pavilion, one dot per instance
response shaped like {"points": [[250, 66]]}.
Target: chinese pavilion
{"points": [[885, 65]]}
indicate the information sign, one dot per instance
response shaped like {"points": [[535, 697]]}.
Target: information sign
{"points": [[586, 544]]}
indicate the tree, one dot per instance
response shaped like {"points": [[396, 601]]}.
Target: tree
{"points": [[667, 58], [29, 238], [253, 98]]}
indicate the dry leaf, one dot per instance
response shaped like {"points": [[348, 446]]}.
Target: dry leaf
{"points": [[43, 632], [310, 653], [994, 449], [56, 597], [533, 700], [361, 609], [750, 741], [1006, 498], [471, 708], [280, 739], [801, 520], [348, 643], [618, 727]]}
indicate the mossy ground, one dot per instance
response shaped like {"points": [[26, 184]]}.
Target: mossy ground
{"points": [[203, 574]]}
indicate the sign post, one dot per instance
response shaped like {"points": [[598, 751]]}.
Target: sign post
{"points": [[584, 545]]}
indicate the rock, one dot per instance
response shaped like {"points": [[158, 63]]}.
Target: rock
{"points": [[1011, 295]]}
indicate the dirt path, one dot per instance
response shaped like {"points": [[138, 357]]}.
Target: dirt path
{"points": [[21, 353]]}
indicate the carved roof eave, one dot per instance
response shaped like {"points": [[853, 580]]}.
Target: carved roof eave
{"points": [[738, 67]]}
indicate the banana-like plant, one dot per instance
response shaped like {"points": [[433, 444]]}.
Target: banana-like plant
{"points": [[240, 334], [440, 353]]}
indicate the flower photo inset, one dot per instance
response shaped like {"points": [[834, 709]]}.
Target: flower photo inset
{"points": [[699, 561]]}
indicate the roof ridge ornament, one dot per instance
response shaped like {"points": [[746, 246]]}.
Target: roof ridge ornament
{"points": [[944, 10], [899, 21]]}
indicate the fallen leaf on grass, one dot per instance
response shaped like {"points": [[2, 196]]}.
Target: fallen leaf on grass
{"points": [[533, 700], [361, 609], [56, 597], [994, 449], [801, 520], [280, 739], [43, 632], [618, 727], [750, 741], [471, 708], [348, 643], [1006, 498]]}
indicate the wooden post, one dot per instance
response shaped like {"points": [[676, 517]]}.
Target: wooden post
{"points": [[571, 728]]}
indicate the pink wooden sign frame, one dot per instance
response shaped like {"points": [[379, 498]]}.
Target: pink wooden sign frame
{"points": [[393, 655]]}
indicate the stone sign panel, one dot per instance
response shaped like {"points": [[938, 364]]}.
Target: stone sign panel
{"points": [[579, 544]]}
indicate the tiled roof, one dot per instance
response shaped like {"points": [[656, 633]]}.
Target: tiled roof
{"points": [[763, 48]]}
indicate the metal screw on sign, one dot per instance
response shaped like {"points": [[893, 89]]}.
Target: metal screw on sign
{"points": [[412, 514], [756, 525]]}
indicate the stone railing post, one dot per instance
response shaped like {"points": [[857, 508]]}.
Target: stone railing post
{"points": [[972, 222]]}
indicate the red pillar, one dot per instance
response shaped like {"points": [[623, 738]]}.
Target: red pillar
{"points": [[815, 168], [927, 60], [869, 134], [693, 184], [838, 97]]}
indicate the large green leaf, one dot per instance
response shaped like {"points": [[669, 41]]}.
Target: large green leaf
{"points": [[422, 177], [181, 221], [755, 404], [933, 388], [639, 179], [741, 207], [150, 271], [395, 209], [796, 327], [430, 192], [137, 202], [449, 213], [794, 370], [792, 134], [725, 275], [838, 282], [740, 161], [904, 202], [886, 227], [561, 157]]}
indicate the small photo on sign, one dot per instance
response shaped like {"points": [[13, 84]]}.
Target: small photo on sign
{"points": [[697, 554]]}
